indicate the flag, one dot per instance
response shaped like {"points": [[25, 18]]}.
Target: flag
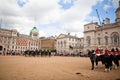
{"points": [[70, 47]]}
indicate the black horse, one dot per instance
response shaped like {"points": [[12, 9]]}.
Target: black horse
{"points": [[26, 53], [115, 57], [37, 53], [105, 59]]}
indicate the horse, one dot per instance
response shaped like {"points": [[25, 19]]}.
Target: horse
{"points": [[105, 59], [26, 53], [115, 53]]}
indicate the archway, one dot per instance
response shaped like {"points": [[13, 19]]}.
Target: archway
{"points": [[1, 48], [115, 38]]}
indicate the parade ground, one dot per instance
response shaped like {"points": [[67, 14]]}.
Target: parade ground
{"points": [[52, 68]]}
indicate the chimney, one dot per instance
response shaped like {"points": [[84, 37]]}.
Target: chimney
{"points": [[68, 33], [107, 21]]}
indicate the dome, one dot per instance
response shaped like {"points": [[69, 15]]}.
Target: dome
{"points": [[34, 30]]}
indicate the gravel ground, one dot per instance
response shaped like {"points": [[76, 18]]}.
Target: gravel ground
{"points": [[52, 68]]}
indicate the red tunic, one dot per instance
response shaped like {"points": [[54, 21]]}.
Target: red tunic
{"points": [[97, 51], [119, 53], [107, 51], [115, 52], [101, 52]]}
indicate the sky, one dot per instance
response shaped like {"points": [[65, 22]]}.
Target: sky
{"points": [[53, 17]]}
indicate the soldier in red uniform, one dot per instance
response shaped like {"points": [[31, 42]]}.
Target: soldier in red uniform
{"points": [[98, 55], [107, 52], [97, 51], [119, 52], [115, 52], [101, 51]]}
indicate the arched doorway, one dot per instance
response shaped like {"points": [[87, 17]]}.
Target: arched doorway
{"points": [[1, 48]]}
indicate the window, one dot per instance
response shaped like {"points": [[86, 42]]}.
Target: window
{"points": [[80, 45], [12, 47], [64, 43], [106, 32], [88, 40], [75, 45], [80, 40], [106, 40], [58, 44], [69, 39], [99, 41], [61, 44], [72, 44], [88, 27], [115, 38]]}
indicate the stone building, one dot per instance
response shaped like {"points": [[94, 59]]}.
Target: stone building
{"points": [[7, 39], [66, 44], [105, 35], [12, 40], [47, 43]]}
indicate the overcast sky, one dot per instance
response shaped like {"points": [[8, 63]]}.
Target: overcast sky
{"points": [[53, 17]]}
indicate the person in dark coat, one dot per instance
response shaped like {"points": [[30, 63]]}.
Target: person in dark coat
{"points": [[92, 58]]}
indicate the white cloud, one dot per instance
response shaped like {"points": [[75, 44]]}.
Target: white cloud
{"points": [[115, 3], [67, 1], [25, 1], [74, 18], [106, 7], [22, 18], [42, 33], [92, 19]]}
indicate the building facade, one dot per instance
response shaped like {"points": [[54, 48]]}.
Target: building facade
{"points": [[12, 40], [47, 43], [68, 44], [7, 39], [105, 35]]}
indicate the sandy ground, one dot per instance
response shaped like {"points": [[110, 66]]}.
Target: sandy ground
{"points": [[53, 68]]}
